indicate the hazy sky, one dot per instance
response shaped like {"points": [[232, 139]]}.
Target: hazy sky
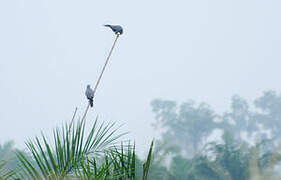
{"points": [[206, 50]]}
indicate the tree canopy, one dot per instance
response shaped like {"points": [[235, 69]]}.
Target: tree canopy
{"points": [[248, 148]]}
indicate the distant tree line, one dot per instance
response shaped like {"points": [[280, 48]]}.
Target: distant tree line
{"points": [[248, 149]]}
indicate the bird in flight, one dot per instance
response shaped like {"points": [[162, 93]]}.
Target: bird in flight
{"points": [[90, 95], [117, 29]]}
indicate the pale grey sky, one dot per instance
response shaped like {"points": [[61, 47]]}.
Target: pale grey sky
{"points": [[206, 50]]}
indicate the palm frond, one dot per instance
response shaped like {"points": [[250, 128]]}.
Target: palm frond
{"points": [[71, 144]]}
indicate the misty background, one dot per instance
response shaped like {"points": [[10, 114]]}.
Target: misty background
{"points": [[179, 50]]}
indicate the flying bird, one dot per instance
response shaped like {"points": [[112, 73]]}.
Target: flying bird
{"points": [[117, 29], [90, 95]]}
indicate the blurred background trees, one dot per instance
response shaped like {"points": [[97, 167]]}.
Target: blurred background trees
{"points": [[246, 148], [186, 125]]}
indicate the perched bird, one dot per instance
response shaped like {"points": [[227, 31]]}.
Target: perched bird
{"points": [[117, 29], [90, 95]]}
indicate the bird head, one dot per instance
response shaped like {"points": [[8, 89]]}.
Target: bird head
{"points": [[107, 25]]}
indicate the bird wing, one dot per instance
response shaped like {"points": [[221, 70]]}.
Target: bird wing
{"points": [[89, 93]]}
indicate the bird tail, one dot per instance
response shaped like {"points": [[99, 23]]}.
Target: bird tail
{"points": [[107, 25], [91, 101]]}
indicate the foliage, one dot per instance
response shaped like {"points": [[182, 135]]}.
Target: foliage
{"points": [[240, 119], [76, 154], [229, 160], [4, 172], [69, 148], [232, 157], [186, 125], [179, 167], [269, 115], [6, 150], [181, 152], [116, 164], [147, 163]]}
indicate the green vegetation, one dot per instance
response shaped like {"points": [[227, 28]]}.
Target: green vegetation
{"points": [[75, 154]]}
